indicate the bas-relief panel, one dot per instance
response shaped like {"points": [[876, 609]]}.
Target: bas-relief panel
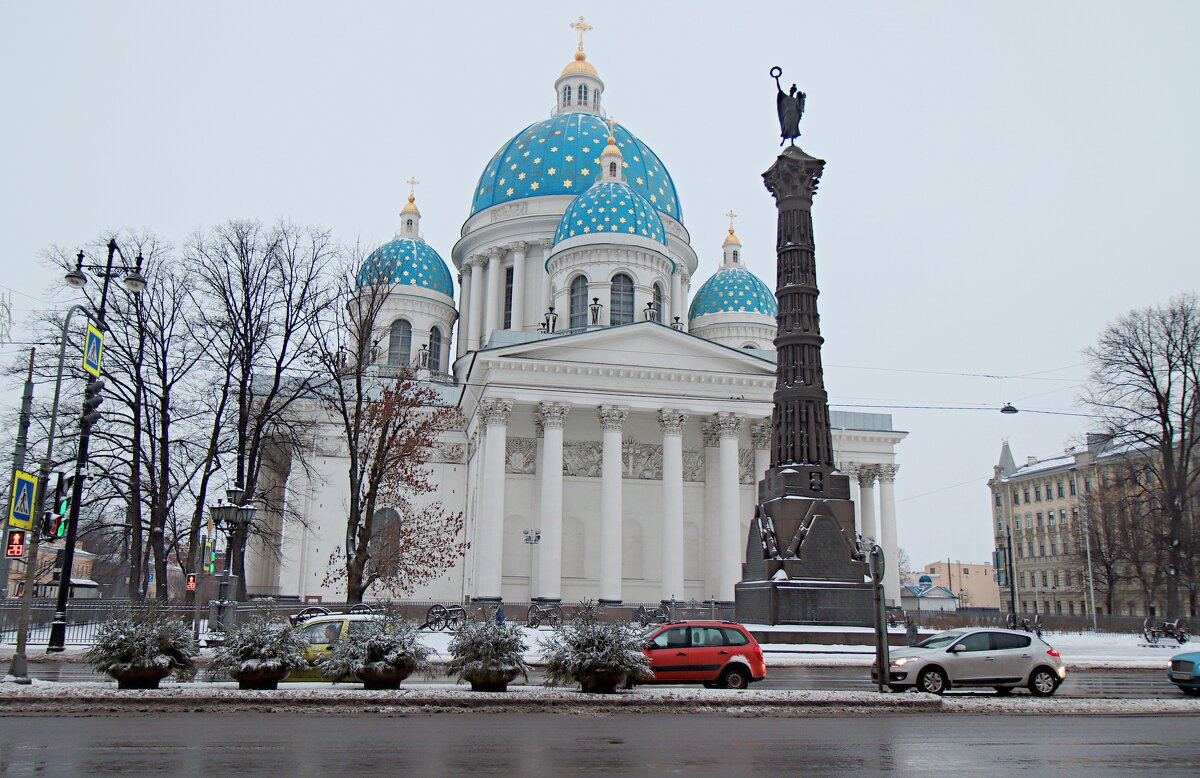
{"points": [[641, 461]]}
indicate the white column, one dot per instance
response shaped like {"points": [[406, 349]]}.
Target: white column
{"points": [[672, 422], [553, 417], [760, 434], [612, 419], [494, 304], [464, 297], [712, 509], [475, 322], [676, 298], [729, 552], [887, 531], [851, 469], [490, 552], [547, 300], [685, 285], [866, 490], [518, 293]]}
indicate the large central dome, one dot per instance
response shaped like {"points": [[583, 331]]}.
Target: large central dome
{"points": [[562, 156]]}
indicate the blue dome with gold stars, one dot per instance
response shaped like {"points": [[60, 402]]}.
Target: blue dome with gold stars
{"points": [[733, 289], [608, 207], [562, 156], [408, 261]]}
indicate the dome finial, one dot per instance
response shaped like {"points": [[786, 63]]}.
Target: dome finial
{"points": [[612, 162], [410, 215], [731, 243]]}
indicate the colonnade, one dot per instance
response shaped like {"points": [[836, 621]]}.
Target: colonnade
{"points": [[482, 283], [721, 436]]}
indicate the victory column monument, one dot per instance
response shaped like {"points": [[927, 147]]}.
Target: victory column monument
{"points": [[805, 563]]}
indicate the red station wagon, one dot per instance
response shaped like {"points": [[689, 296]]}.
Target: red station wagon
{"points": [[715, 653]]}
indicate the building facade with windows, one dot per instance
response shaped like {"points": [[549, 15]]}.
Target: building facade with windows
{"points": [[614, 435], [974, 583]]}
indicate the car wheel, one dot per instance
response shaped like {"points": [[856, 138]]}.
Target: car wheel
{"points": [[735, 678], [1043, 682], [933, 681], [1003, 691]]}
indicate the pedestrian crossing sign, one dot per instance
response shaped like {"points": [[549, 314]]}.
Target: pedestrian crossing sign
{"points": [[93, 350], [24, 490]]}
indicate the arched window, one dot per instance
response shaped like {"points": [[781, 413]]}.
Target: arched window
{"points": [[566, 96], [620, 309], [579, 303], [408, 223], [749, 345], [435, 350], [612, 169], [735, 255], [658, 302], [596, 99], [583, 94], [400, 343]]}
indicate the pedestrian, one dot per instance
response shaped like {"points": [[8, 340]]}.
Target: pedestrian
{"points": [[500, 615], [910, 630]]}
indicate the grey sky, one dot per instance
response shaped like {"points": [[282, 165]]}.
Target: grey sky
{"points": [[1002, 179]]}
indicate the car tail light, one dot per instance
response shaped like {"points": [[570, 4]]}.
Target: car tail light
{"points": [[1053, 652]]}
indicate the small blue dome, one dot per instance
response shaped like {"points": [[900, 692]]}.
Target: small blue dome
{"points": [[733, 289], [408, 261], [925, 580], [562, 156], [611, 206]]}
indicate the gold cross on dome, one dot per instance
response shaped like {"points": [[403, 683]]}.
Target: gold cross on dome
{"points": [[582, 26], [731, 216], [412, 186], [612, 125]]}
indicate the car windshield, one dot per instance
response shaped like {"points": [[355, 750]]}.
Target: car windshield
{"points": [[941, 639]]}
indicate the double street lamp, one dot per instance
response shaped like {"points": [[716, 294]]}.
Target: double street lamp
{"points": [[233, 518], [133, 280]]}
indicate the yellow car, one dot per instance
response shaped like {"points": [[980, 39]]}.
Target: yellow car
{"points": [[323, 632]]}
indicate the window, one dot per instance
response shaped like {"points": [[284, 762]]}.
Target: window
{"points": [[1067, 577], [1056, 578], [435, 350], [566, 96], [707, 636], [583, 94], [1016, 497], [1045, 579], [408, 224], [1074, 515], [612, 169], [1042, 552], [1071, 487], [1070, 608], [579, 303], [400, 343], [998, 500], [1022, 582], [1060, 489], [620, 310], [736, 254], [1002, 641], [966, 571], [1087, 484], [658, 302], [1037, 493], [676, 637], [1021, 555], [1026, 491], [1050, 518], [596, 99], [323, 634], [1066, 545], [999, 525], [1039, 518], [1018, 520], [734, 637], [508, 285], [978, 641]]}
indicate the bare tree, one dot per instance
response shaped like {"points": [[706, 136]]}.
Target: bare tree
{"points": [[1104, 522], [389, 420], [263, 289], [1145, 386]]}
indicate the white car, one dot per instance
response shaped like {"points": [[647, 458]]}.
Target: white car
{"points": [[1001, 658]]}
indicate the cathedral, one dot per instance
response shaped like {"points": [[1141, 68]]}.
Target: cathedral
{"points": [[616, 416]]}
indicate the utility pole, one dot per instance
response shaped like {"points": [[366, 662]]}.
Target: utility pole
{"points": [[19, 464]]}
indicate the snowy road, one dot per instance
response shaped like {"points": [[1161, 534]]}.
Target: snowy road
{"points": [[540, 744]]}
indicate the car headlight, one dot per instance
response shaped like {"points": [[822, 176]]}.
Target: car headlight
{"points": [[904, 660]]}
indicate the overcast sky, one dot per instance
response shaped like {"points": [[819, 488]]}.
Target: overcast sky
{"points": [[1003, 178]]}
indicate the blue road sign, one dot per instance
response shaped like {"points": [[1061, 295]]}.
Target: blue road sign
{"points": [[93, 350], [24, 490]]}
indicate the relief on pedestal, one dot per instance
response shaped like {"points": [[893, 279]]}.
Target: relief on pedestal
{"points": [[642, 460], [693, 465], [450, 452], [582, 458]]}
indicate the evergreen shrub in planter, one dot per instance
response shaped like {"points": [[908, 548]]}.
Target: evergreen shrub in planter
{"points": [[260, 652], [598, 655], [381, 652], [140, 648], [488, 654]]}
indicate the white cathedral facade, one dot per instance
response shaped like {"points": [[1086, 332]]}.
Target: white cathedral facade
{"points": [[616, 419]]}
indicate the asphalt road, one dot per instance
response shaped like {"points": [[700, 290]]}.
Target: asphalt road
{"points": [[1080, 683], [541, 744]]}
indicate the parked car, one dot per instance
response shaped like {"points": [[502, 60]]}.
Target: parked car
{"points": [[322, 633], [714, 653], [1183, 672], [1001, 658]]}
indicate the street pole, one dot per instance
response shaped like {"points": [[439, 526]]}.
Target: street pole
{"points": [[58, 628], [18, 667], [19, 463], [1087, 545], [877, 565], [1012, 576]]}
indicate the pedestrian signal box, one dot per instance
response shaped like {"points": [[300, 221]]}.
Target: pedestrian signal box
{"points": [[15, 545], [191, 582]]}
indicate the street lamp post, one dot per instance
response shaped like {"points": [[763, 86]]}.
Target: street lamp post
{"points": [[532, 538], [230, 517], [133, 281]]}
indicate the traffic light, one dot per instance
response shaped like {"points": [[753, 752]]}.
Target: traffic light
{"points": [[55, 520], [91, 402], [16, 543]]}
